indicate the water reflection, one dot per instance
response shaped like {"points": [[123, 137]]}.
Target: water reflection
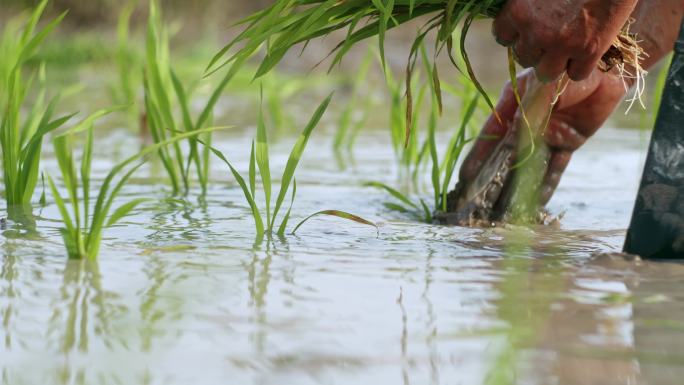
{"points": [[20, 224], [527, 290], [405, 362], [81, 311], [176, 219], [258, 280], [590, 323], [430, 326], [153, 312], [8, 293]]}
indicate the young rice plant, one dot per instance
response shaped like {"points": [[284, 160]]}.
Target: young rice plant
{"points": [[259, 161], [85, 216], [22, 128]]}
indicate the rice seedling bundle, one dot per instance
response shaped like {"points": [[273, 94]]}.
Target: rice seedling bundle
{"points": [[286, 23]]}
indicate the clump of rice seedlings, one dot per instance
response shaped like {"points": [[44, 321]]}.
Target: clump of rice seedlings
{"points": [[161, 84], [287, 23], [442, 171], [85, 216], [23, 125], [259, 162]]}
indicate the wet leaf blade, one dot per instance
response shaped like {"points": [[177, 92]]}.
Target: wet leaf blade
{"points": [[338, 214], [286, 218], [124, 211], [392, 191]]}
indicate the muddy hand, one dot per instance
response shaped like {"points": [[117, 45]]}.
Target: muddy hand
{"points": [[580, 110], [558, 36]]}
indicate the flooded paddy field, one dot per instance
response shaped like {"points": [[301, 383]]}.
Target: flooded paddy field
{"points": [[181, 293], [193, 284]]}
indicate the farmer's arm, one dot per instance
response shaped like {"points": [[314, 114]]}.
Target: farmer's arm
{"points": [[585, 105], [556, 36]]}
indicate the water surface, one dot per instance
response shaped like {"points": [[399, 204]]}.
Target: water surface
{"points": [[182, 294]]}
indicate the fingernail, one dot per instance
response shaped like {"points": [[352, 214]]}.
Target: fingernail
{"points": [[503, 42]]}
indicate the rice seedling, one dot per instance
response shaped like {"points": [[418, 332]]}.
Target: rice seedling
{"points": [[259, 163], [85, 216], [259, 158], [161, 83], [23, 125]]}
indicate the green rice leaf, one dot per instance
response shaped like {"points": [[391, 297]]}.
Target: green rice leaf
{"points": [[86, 165], [33, 21], [263, 161], [286, 218], [432, 129], [252, 171], [394, 192], [182, 100], [426, 212], [30, 47], [100, 213], [61, 206], [43, 197], [87, 123], [396, 207], [258, 221], [124, 210], [338, 214], [454, 152]]}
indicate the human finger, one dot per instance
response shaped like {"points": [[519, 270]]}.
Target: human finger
{"points": [[504, 31], [560, 135], [491, 134], [551, 66], [526, 54], [557, 164], [582, 68]]}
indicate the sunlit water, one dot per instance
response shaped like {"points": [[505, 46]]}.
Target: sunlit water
{"points": [[181, 293]]}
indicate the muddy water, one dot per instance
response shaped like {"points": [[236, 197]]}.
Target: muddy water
{"points": [[182, 294]]}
